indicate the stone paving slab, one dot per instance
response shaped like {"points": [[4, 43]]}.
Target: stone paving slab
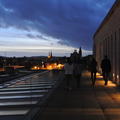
{"points": [[85, 103]]}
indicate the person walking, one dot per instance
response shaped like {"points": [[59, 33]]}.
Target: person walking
{"points": [[106, 69], [93, 70], [77, 70], [68, 67]]}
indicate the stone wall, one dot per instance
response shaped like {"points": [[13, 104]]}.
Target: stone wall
{"points": [[107, 42]]}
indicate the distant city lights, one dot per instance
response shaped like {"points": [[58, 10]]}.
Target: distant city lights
{"points": [[49, 66]]}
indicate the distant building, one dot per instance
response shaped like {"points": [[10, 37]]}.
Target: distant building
{"points": [[107, 41], [76, 56]]}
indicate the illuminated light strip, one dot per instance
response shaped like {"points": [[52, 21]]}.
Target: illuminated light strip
{"points": [[31, 85], [20, 97], [18, 103], [30, 88], [13, 112], [23, 92]]}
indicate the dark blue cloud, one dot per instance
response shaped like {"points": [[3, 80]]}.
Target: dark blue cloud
{"points": [[71, 21]]}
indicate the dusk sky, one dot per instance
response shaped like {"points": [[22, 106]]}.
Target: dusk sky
{"points": [[35, 27]]}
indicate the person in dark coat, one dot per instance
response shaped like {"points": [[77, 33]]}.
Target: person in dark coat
{"points": [[106, 69], [93, 69]]}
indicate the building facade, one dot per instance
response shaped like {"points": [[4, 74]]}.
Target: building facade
{"points": [[107, 41]]}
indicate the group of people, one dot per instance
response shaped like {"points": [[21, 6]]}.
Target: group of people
{"points": [[106, 69], [72, 71]]}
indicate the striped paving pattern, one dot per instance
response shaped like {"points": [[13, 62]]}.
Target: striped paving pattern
{"points": [[19, 96]]}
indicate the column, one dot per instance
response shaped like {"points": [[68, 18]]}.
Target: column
{"points": [[116, 57], [119, 54], [111, 39], [113, 42]]}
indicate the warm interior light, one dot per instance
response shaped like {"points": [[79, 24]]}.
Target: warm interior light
{"points": [[101, 81], [113, 75], [98, 75], [117, 76], [111, 84]]}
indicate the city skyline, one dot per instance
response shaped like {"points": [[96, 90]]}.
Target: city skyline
{"points": [[41, 26]]}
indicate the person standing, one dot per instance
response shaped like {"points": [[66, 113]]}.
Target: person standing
{"points": [[93, 69], [106, 69], [68, 67]]}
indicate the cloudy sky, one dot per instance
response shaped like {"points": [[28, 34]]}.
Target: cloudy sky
{"points": [[34, 27]]}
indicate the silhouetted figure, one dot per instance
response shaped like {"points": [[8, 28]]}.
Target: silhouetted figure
{"points": [[106, 69], [77, 69], [80, 52], [68, 67], [93, 69]]}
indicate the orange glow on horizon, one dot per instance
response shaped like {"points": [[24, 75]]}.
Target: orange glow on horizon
{"points": [[49, 57], [49, 67]]}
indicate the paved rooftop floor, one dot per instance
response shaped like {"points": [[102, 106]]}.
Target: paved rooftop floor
{"points": [[20, 98], [84, 103]]}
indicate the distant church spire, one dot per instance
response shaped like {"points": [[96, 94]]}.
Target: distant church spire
{"points": [[50, 55]]}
